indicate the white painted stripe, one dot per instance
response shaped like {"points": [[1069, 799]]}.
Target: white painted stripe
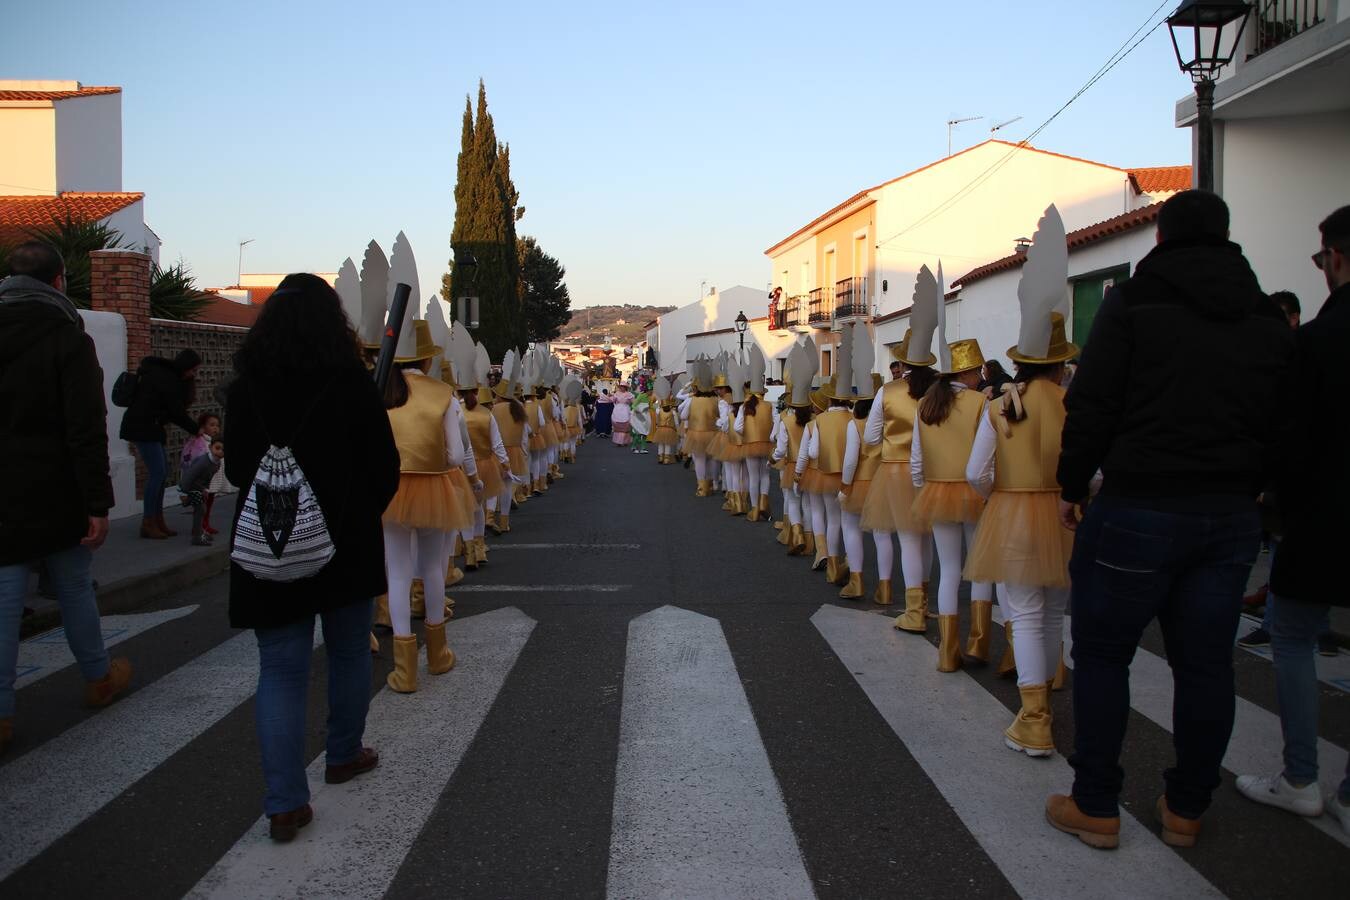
{"points": [[697, 810], [954, 728], [73, 776], [363, 830], [539, 588], [496, 547], [48, 653]]}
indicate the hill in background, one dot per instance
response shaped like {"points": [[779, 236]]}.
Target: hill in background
{"points": [[626, 324]]}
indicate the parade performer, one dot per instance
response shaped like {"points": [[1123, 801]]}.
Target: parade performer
{"points": [[554, 410], [803, 363], [623, 416], [755, 426], [485, 439], [808, 482], [888, 511], [1020, 542], [572, 417], [641, 419], [664, 435], [717, 447], [733, 448], [699, 414], [861, 462], [949, 415], [434, 499], [511, 425], [826, 443], [534, 415]]}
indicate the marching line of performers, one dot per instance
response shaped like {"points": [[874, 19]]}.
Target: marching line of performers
{"points": [[926, 461]]}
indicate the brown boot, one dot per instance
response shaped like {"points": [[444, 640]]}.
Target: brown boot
{"points": [[164, 526], [404, 677], [1176, 831], [98, 694], [949, 652], [1007, 666], [854, 589], [1096, 831], [912, 619], [440, 658], [1030, 732], [981, 619], [283, 827], [150, 529], [883, 595]]}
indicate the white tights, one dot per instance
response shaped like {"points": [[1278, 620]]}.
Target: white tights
{"points": [[792, 507], [757, 478], [832, 523], [1037, 616], [851, 525], [701, 466], [414, 553], [665, 449], [911, 556], [947, 537], [479, 521], [733, 476], [816, 503]]}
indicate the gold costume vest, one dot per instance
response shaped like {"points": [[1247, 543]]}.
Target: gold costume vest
{"points": [[732, 437], [479, 421], [703, 414], [665, 419], [532, 414], [759, 426], [512, 432], [572, 416], [1027, 460], [946, 447], [795, 434], [869, 458], [833, 428], [901, 411], [419, 426]]}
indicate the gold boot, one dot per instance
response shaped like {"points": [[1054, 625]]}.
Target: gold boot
{"points": [[704, 488], [981, 619], [785, 535], [440, 658], [481, 544], [949, 650], [743, 498], [840, 571], [454, 575], [808, 543], [404, 677], [728, 502], [779, 525], [796, 542], [503, 524], [822, 556], [831, 568], [883, 595], [1029, 733], [490, 522], [1007, 666], [1061, 672], [418, 600], [374, 644], [912, 619], [382, 611], [753, 515], [765, 510], [854, 589]]}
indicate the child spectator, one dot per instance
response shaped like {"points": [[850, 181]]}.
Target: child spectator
{"points": [[208, 428], [195, 481]]}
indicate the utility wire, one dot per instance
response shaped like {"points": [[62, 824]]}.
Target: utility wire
{"points": [[1125, 49]]}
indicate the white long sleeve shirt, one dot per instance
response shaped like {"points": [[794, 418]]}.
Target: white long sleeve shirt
{"points": [[779, 436], [810, 446], [739, 424], [498, 448], [980, 467], [876, 421], [852, 453], [685, 406]]}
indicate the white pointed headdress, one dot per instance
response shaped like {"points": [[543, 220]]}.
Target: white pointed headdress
{"points": [[374, 291], [1043, 287]]}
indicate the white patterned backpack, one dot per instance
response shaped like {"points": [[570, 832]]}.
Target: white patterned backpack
{"points": [[281, 534]]}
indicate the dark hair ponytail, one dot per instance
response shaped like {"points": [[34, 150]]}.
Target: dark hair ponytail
{"points": [[937, 401], [396, 390], [517, 410], [803, 415], [751, 405], [921, 378], [863, 408]]}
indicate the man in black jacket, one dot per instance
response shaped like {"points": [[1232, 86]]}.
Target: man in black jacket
{"points": [[1174, 403], [163, 393], [1308, 577], [56, 492]]}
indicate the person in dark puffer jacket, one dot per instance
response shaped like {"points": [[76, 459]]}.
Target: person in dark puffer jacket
{"points": [[164, 391]]}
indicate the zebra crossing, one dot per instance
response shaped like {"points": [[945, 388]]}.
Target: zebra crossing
{"points": [[698, 806]]}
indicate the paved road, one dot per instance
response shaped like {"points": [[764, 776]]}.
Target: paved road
{"points": [[651, 701]]}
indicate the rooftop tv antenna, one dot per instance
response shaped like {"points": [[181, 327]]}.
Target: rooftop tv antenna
{"points": [[1002, 125], [952, 123]]}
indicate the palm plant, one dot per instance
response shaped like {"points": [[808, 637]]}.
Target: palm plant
{"points": [[174, 293]]}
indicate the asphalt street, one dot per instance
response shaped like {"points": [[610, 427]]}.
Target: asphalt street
{"points": [[677, 709]]}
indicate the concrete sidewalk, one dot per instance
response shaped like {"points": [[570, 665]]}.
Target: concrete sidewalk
{"points": [[130, 570]]}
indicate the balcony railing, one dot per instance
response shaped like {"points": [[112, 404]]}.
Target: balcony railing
{"points": [[790, 312], [820, 307], [850, 298], [1279, 20]]}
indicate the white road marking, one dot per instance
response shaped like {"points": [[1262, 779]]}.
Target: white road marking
{"points": [[363, 830], [539, 588], [74, 775], [47, 653], [498, 547], [954, 728], [697, 810]]}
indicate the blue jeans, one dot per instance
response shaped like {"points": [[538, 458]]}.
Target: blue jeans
{"points": [[69, 573], [1294, 628], [156, 471], [1129, 566], [283, 682]]}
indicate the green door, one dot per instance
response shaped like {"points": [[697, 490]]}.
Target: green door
{"points": [[1087, 299]]}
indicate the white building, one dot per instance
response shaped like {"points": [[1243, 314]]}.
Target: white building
{"points": [[61, 157], [1282, 138]]}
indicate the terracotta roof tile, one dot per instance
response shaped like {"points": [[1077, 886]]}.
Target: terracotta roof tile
{"points": [[1076, 239], [223, 311], [1161, 179], [90, 91], [18, 214]]}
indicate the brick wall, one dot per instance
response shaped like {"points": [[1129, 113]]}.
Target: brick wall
{"points": [[120, 282], [216, 345]]}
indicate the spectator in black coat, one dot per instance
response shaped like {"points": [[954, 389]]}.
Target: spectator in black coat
{"points": [[55, 492], [164, 391], [1175, 530], [301, 384]]}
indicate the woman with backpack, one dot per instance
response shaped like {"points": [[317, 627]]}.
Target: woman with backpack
{"points": [[302, 385], [163, 390]]}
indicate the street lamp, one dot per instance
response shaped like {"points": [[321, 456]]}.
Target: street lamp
{"points": [[467, 264], [239, 273], [741, 324], [1205, 53]]}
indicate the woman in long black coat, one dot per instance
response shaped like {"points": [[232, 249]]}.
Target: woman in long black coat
{"points": [[301, 384]]}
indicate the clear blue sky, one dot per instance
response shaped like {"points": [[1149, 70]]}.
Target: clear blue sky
{"points": [[653, 147]]}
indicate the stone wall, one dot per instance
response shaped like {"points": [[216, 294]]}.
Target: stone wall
{"points": [[216, 344]]}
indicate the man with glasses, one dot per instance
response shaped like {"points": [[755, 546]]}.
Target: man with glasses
{"points": [[1314, 496]]}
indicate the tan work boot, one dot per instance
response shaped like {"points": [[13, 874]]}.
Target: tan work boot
{"points": [[440, 658], [1096, 831], [912, 619], [1176, 830], [949, 647], [404, 677], [98, 694]]}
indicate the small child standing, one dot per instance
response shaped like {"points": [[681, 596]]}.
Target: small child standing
{"points": [[195, 481], [208, 429]]}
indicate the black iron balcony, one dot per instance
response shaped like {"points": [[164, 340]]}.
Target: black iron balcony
{"points": [[820, 306], [1279, 20], [850, 298], [790, 312]]}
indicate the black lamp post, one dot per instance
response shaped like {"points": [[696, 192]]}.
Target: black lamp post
{"points": [[465, 262], [1198, 28], [741, 324]]}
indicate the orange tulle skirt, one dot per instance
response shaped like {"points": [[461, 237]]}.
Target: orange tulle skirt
{"points": [[717, 445], [490, 473], [664, 435], [785, 473], [551, 434], [698, 442], [825, 483], [890, 500], [757, 450], [1020, 541], [732, 452], [520, 461], [538, 441], [948, 501], [442, 502], [857, 498]]}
